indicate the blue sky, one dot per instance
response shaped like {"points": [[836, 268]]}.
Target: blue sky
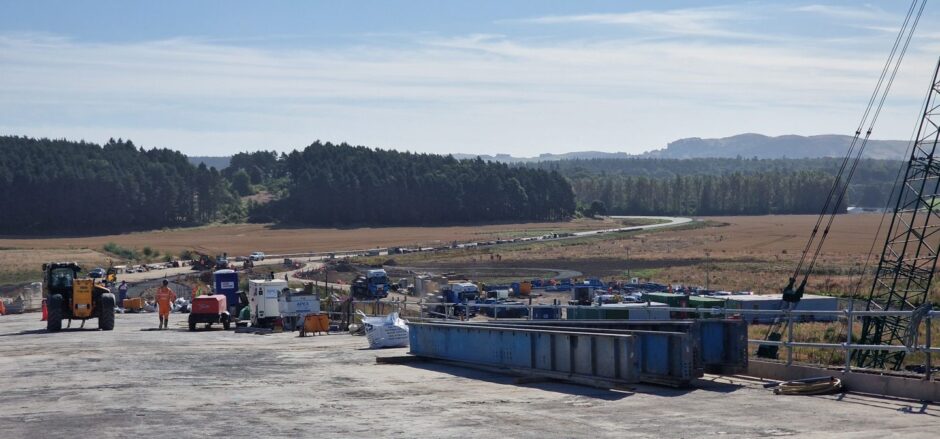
{"points": [[517, 77]]}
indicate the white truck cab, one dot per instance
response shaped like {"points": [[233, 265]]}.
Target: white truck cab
{"points": [[263, 301]]}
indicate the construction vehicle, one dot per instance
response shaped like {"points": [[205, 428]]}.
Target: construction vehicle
{"points": [[203, 262], [459, 297], [374, 285], [263, 301], [73, 298]]}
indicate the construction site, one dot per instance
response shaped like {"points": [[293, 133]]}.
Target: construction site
{"points": [[604, 326]]}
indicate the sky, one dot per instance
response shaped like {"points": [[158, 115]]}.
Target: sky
{"points": [[482, 77]]}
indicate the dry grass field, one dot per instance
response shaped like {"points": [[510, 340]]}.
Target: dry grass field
{"points": [[755, 253], [242, 239], [733, 253], [21, 258]]}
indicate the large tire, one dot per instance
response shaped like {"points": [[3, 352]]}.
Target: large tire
{"points": [[106, 312], [226, 322], [54, 306], [192, 323]]}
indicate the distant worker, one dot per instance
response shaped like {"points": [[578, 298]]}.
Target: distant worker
{"points": [[122, 293], [271, 277], [165, 299]]}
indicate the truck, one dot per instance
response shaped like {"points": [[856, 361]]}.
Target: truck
{"points": [[457, 294], [209, 310], [373, 285], [73, 298], [263, 301]]}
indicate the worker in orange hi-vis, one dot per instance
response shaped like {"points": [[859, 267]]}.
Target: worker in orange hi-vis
{"points": [[165, 298]]}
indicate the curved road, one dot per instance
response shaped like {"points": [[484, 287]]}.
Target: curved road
{"points": [[273, 260]]}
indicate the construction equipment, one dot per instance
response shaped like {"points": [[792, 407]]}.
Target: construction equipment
{"points": [[73, 298], [209, 310], [908, 259], [294, 306], [461, 295], [203, 262], [374, 285], [263, 303], [135, 304], [582, 295]]}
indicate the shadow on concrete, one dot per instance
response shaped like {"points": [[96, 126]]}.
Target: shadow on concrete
{"points": [[561, 386], [886, 403], [44, 331], [548, 385]]}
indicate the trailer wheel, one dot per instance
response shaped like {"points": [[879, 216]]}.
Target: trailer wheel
{"points": [[106, 312], [192, 323], [226, 323], [54, 306]]}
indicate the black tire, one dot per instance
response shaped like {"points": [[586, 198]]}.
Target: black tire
{"points": [[192, 323], [226, 322], [54, 306], [106, 312]]}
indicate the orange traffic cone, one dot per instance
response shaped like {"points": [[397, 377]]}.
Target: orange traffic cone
{"points": [[45, 311]]}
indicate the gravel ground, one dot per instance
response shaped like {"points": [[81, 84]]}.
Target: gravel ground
{"points": [[170, 384]]}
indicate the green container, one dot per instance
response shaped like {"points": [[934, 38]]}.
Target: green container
{"points": [[674, 300], [599, 313], [708, 303]]}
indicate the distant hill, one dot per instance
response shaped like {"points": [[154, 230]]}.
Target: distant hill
{"points": [[743, 145], [764, 147], [212, 162]]}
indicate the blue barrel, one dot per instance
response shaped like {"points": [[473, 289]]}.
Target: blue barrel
{"points": [[515, 288], [226, 282]]}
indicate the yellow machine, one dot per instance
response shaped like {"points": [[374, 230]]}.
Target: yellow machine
{"points": [[72, 298]]}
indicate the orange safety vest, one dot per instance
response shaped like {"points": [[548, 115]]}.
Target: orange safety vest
{"points": [[164, 297]]}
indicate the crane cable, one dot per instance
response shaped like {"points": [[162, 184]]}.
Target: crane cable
{"points": [[839, 185]]}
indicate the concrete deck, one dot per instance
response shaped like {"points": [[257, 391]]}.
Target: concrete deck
{"points": [[133, 382]]}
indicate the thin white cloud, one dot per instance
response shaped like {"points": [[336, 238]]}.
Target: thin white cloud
{"points": [[859, 12], [710, 22], [479, 92]]}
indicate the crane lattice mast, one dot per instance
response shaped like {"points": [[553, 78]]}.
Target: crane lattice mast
{"points": [[909, 258]]}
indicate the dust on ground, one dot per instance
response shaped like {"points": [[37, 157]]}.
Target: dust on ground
{"points": [[131, 382]]}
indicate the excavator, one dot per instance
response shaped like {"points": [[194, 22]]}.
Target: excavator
{"points": [[73, 298]]}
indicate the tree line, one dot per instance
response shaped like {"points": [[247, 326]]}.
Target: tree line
{"points": [[63, 186], [340, 184], [763, 193], [870, 187]]}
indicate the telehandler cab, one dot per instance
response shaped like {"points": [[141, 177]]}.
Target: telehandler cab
{"points": [[73, 298]]}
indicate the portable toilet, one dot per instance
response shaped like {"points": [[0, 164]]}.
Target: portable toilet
{"points": [[226, 282], [263, 301]]}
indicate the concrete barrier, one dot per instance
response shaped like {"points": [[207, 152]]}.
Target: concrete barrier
{"points": [[870, 383]]}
